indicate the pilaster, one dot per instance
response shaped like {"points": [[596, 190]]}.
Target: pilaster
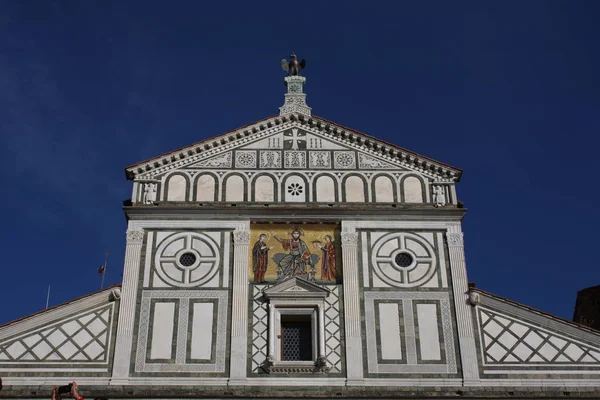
{"points": [[239, 311], [131, 271], [354, 360], [464, 321]]}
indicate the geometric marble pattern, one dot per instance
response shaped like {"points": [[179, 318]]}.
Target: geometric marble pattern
{"points": [[508, 340], [405, 302], [260, 329], [183, 335], [83, 338], [333, 345]]}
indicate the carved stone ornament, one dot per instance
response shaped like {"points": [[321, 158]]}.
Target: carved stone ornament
{"points": [[149, 195], [455, 239], [135, 236], [115, 294], [439, 196], [241, 237], [349, 238], [473, 298]]}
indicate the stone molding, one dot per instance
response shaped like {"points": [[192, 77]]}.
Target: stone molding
{"points": [[147, 170]]}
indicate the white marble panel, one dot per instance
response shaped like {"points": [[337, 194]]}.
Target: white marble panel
{"points": [[234, 188], [202, 331], [176, 188], [205, 188], [384, 190], [389, 331], [355, 190], [429, 338], [264, 189], [162, 331], [413, 190], [325, 188]]}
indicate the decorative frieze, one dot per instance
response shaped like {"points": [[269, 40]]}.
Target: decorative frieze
{"points": [[344, 160]]}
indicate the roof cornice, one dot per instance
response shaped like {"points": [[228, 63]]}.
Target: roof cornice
{"points": [[389, 151]]}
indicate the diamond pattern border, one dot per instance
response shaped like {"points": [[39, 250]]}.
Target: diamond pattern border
{"points": [[83, 338], [260, 329], [507, 340], [333, 344]]}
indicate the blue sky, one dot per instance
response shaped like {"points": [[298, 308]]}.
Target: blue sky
{"points": [[507, 90]]}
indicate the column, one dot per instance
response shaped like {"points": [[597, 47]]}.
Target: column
{"points": [[354, 360], [466, 339], [239, 309], [131, 272], [271, 353], [322, 351]]}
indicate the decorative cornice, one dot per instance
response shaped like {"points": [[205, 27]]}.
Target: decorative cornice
{"points": [[135, 236], [347, 136], [455, 239]]}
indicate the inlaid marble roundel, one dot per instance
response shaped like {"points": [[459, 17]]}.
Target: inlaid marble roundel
{"points": [[403, 260], [187, 259]]}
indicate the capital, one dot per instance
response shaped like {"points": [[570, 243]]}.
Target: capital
{"points": [[135, 236], [241, 236], [455, 239], [349, 238]]}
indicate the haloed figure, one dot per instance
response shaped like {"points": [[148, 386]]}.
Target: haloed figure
{"points": [[260, 258], [328, 265]]}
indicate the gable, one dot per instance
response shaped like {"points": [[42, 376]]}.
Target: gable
{"points": [[327, 163]]}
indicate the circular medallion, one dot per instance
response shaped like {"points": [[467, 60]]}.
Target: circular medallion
{"points": [[187, 259], [403, 259]]}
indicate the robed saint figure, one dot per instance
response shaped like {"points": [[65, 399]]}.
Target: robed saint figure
{"points": [[260, 258]]}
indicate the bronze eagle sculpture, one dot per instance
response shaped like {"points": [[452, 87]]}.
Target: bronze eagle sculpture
{"points": [[294, 66]]}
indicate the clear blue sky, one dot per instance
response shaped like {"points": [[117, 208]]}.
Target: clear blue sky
{"points": [[506, 90]]}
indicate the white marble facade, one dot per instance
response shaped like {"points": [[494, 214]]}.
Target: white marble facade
{"points": [[400, 313]]}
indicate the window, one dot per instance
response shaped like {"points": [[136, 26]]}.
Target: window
{"points": [[296, 327], [296, 341]]}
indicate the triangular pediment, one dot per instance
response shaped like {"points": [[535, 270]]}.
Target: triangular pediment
{"points": [[296, 287], [294, 142]]}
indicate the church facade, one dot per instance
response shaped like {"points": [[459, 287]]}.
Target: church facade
{"points": [[295, 257]]}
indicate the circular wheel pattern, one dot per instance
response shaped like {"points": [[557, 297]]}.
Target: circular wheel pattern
{"points": [[403, 260], [187, 259]]}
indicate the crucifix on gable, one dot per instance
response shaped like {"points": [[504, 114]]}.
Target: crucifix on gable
{"points": [[294, 140]]}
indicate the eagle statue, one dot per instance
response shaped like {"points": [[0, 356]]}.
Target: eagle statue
{"points": [[294, 66]]}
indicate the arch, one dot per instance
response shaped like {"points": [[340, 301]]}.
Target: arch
{"points": [[206, 187], [235, 188], [295, 189], [264, 188], [413, 189], [177, 187], [355, 189], [325, 189], [383, 189]]}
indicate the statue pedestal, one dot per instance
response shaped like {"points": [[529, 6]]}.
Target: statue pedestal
{"points": [[295, 98]]}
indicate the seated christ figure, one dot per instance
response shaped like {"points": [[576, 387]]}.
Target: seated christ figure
{"points": [[294, 263]]}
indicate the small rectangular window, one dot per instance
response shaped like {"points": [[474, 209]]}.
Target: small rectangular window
{"points": [[296, 340]]}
